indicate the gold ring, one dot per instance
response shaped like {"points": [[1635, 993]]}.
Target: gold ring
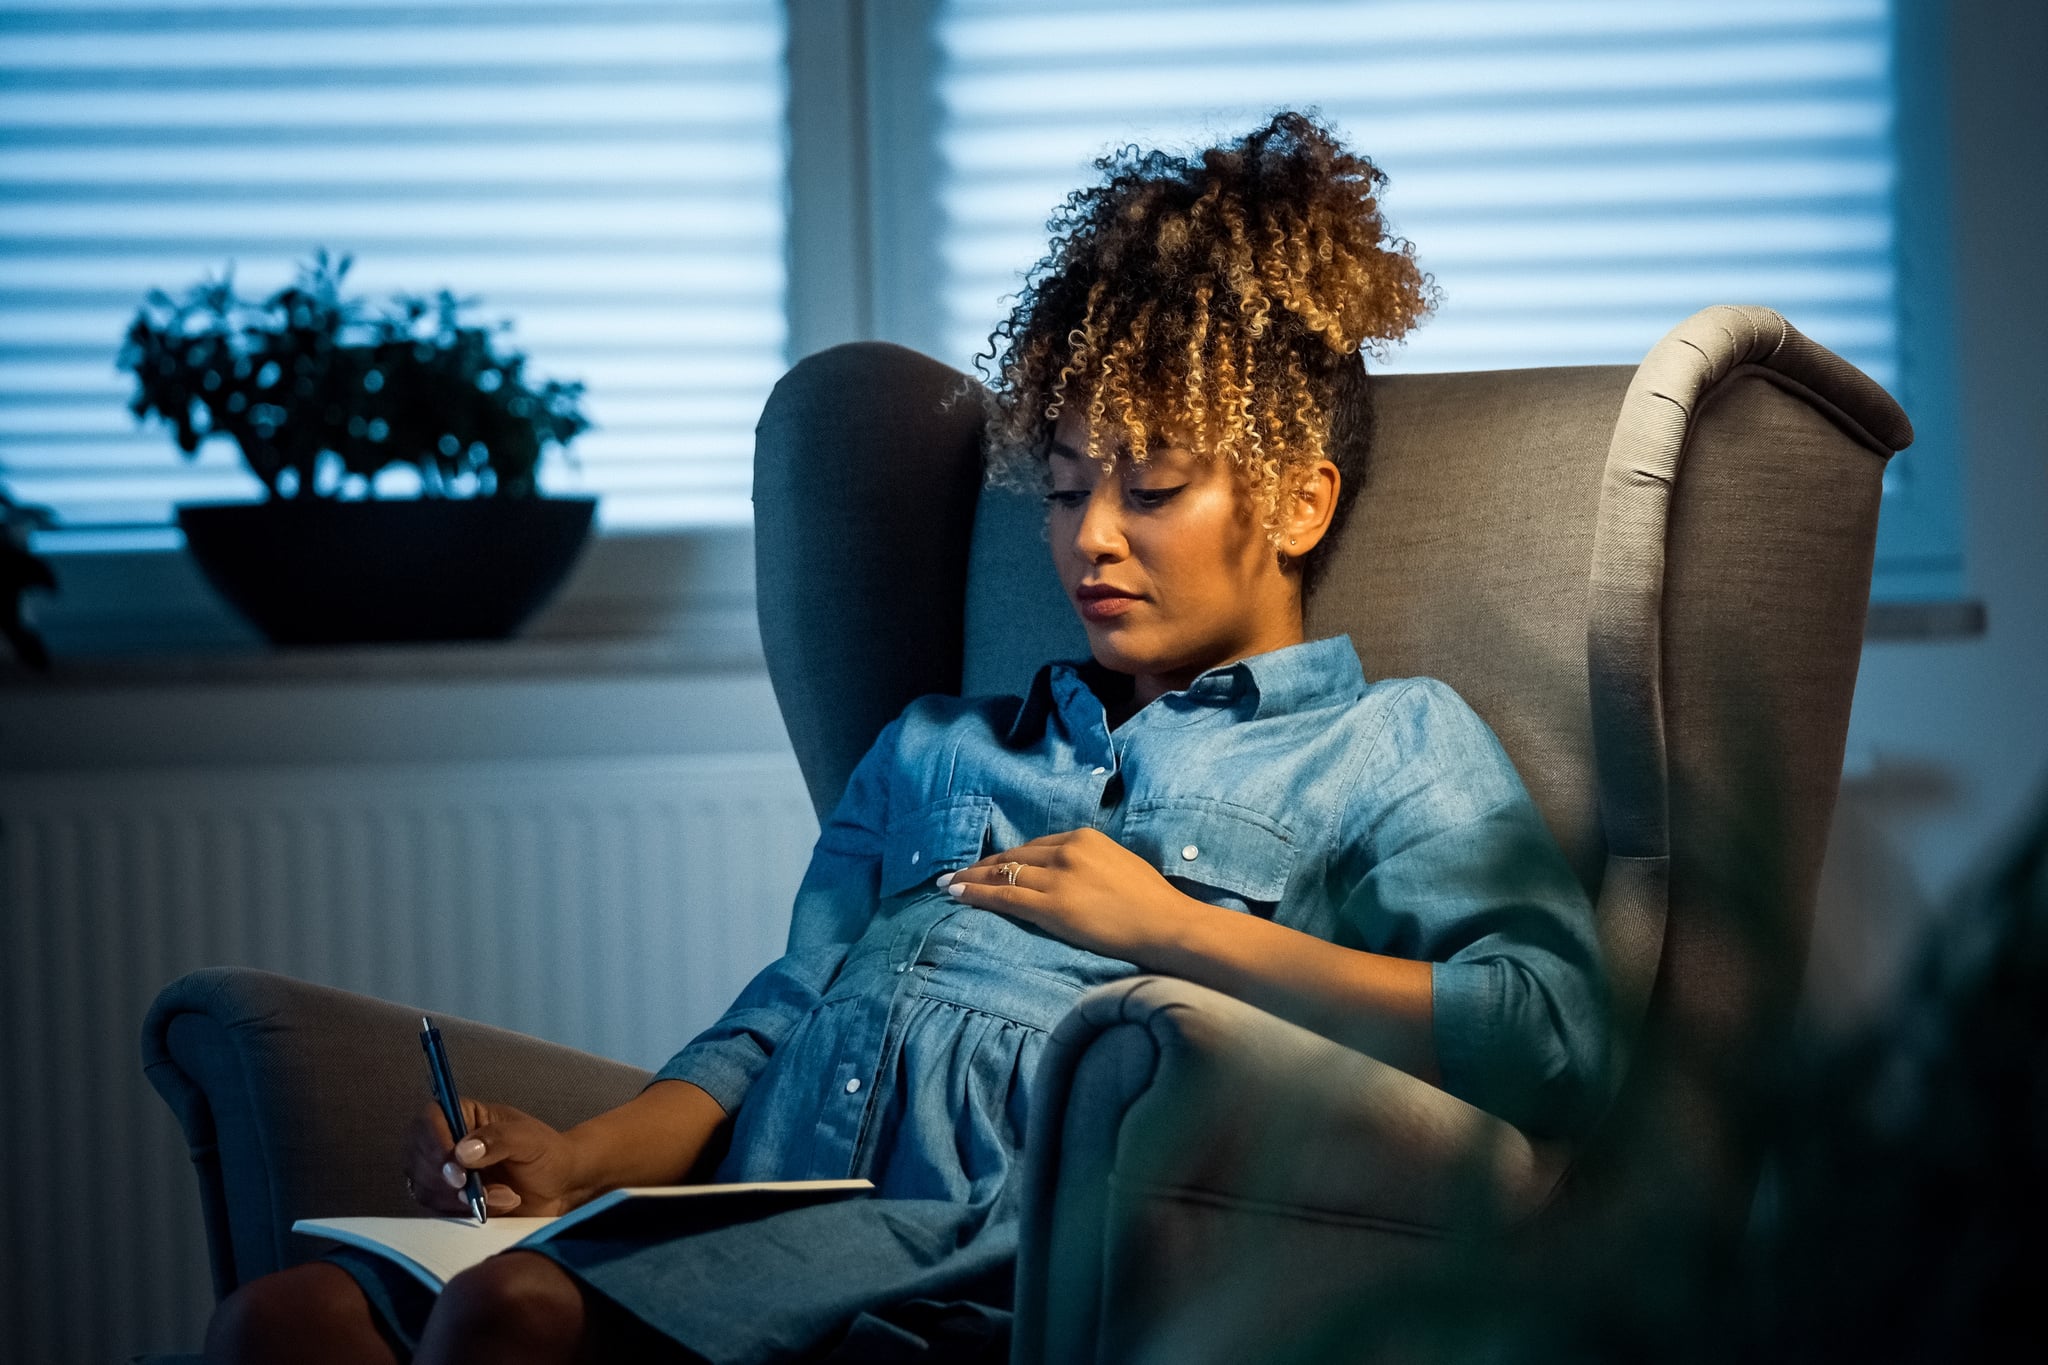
{"points": [[1010, 870]]}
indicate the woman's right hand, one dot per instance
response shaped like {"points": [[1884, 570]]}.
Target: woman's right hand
{"points": [[528, 1167]]}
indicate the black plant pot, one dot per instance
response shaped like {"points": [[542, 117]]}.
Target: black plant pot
{"points": [[321, 572]]}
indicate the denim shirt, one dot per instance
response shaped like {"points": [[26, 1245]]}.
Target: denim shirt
{"points": [[1382, 816]]}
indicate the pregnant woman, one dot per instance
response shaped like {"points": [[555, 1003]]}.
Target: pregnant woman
{"points": [[1210, 795]]}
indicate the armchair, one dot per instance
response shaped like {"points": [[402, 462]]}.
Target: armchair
{"points": [[1651, 581]]}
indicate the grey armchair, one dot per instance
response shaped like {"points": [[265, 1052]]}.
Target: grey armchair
{"points": [[1650, 580]]}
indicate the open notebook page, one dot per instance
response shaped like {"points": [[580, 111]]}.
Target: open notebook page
{"points": [[437, 1249], [434, 1249]]}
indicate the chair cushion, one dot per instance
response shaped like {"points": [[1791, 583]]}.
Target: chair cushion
{"points": [[1467, 559]]}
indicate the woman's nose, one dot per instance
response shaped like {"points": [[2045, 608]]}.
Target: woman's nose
{"points": [[1101, 532]]}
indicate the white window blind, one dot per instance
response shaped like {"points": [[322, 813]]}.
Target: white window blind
{"points": [[607, 175], [1579, 176]]}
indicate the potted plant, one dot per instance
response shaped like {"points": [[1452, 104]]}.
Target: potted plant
{"points": [[322, 396], [21, 570]]}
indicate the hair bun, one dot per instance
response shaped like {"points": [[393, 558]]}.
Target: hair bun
{"points": [[1319, 247]]}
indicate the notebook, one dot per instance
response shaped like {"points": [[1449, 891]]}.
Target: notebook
{"points": [[436, 1249]]}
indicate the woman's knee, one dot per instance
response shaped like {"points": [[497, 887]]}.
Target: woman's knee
{"points": [[518, 1297], [310, 1312]]}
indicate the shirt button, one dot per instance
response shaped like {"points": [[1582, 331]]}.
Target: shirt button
{"points": [[1100, 771], [1190, 853], [915, 855], [853, 1085]]}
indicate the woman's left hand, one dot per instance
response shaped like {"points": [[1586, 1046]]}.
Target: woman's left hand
{"points": [[1081, 886]]}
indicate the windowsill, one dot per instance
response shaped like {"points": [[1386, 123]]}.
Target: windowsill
{"points": [[666, 602], [650, 649], [1902, 622], [707, 647]]}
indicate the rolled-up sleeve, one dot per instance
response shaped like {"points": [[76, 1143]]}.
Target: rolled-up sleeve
{"points": [[1457, 868], [833, 904]]}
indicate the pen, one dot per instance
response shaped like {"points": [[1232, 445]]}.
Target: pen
{"points": [[443, 1078]]}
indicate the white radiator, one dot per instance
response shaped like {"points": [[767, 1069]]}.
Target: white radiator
{"points": [[614, 905]]}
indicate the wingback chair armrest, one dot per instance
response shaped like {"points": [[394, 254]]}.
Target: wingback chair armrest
{"points": [[294, 1099], [1181, 1135]]}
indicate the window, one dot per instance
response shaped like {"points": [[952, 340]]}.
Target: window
{"points": [[628, 179], [608, 175], [1578, 176]]}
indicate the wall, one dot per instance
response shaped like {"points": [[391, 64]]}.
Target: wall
{"points": [[1949, 739]]}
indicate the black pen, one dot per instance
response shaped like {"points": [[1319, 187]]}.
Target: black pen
{"points": [[443, 1079]]}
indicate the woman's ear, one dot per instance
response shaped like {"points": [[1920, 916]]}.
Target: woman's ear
{"points": [[1309, 508]]}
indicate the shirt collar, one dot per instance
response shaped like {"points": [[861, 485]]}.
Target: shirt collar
{"points": [[1280, 682]]}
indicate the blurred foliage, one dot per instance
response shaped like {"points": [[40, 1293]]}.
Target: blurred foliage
{"points": [[308, 373], [1897, 1222], [21, 570], [1913, 1161]]}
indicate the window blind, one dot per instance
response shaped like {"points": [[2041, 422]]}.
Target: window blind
{"points": [[1578, 176], [607, 175]]}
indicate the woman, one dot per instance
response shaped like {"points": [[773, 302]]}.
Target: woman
{"points": [[1211, 795]]}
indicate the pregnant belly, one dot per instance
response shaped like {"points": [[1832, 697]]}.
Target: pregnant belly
{"points": [[931, 945], [990, 962]]}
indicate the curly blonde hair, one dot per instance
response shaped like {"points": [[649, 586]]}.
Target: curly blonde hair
{"points": [[1218, 302]]}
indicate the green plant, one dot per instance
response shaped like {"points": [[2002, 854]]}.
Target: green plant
{"points": [[322, 396], [21, 570]]}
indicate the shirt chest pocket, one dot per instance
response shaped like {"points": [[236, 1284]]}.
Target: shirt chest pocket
{"points": [[1233, 849], [946, 835]]}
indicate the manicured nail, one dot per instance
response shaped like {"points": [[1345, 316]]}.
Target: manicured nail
{"points": [[946, 879], [450, 1174], [471, 1150], [959, 890]]}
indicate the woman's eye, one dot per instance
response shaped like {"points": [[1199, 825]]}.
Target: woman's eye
{"points": [[1152, 497], [1066, 497]]}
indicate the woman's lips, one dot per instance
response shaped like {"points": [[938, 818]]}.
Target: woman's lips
{"points": [[1104, 608]]}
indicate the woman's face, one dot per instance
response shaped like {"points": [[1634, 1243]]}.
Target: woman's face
{"points": [[1178, 542]]}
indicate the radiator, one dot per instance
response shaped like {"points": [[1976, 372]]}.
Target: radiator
{"points": [[613, 905]]}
